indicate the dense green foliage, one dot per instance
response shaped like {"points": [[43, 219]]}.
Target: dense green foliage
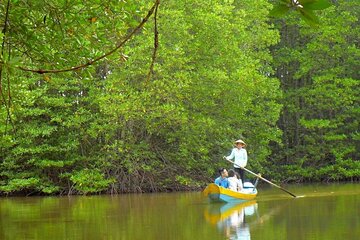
{"points": [[319, 73], [110, 127], [138, 121]]}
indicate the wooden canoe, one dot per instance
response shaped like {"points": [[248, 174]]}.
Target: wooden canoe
{"points": [[216, 193]]}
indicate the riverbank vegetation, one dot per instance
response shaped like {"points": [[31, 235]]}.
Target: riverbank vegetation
{"points": [[137, 96]]}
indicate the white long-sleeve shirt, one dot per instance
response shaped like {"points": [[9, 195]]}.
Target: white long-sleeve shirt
{"points": [[240, 157], [235, 184]]}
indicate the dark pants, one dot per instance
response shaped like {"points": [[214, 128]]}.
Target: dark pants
{"points": [[241, 172]]}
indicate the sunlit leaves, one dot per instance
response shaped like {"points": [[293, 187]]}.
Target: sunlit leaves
{"points": [[90, 181]]}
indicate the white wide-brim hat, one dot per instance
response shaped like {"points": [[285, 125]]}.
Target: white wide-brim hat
{"points": [[240, 141]]}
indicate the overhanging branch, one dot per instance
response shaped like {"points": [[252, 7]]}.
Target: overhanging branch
{"points": [[156, 44], [127, 38]]}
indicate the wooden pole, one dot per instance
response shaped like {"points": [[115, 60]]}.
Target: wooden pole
{"points": [[265, 180]]}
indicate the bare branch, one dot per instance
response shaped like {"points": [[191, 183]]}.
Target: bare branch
{"points": [[156, 42], [3, 99]]}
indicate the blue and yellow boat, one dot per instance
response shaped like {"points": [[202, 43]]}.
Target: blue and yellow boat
{"points": [[216, 193]]}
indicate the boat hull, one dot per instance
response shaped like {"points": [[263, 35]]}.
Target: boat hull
{"points": [[216, 193]]}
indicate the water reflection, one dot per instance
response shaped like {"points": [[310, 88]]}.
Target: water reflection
{"points": [[232, 219], [328, 212]]}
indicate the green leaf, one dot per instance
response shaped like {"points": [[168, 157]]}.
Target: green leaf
{"points": [[279, 10], [309, 17], [315, 4]]}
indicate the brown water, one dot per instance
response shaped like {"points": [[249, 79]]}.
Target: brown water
{"points": [[324, 212]]}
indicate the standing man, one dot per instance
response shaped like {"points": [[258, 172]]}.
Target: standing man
{"points": [[222, 181], [239, 154]]}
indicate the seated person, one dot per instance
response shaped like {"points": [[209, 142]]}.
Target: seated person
{"points": [[235, 183], [222, 180]]}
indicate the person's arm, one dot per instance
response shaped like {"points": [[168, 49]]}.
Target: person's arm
{"points": [[239, 186], [245, 157], [228, 183], [231, 156]]}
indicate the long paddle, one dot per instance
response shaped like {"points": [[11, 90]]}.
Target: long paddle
{"points": [[257, 175]]}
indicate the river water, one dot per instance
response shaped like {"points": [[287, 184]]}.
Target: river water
{"points": [[320, 212]]}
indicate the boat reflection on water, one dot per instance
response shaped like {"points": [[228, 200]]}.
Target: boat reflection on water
{"points": [[232, 219]]}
